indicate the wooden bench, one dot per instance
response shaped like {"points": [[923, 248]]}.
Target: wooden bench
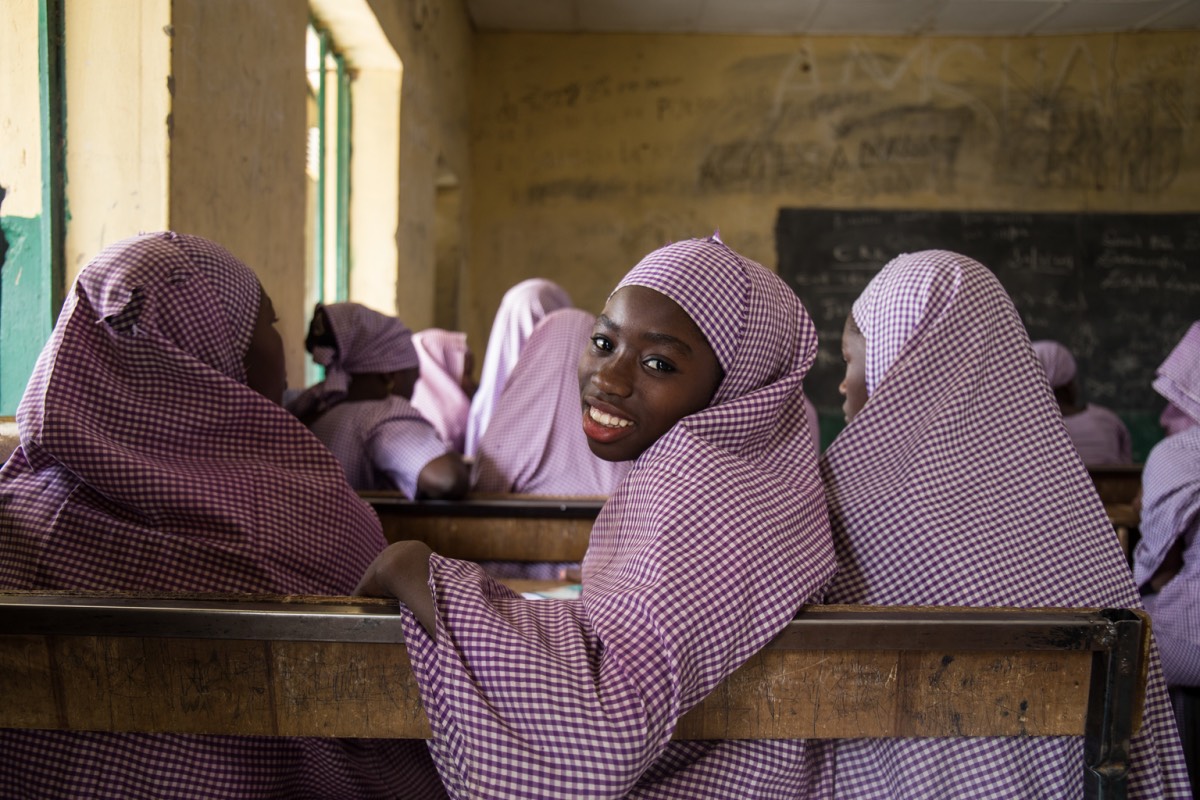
{"points": [[491, 527], [337, 667]]}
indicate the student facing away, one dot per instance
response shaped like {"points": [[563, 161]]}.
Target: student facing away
{"points": [[713, 541], [361, 411], [521, 309], [1166, 561], [954, 483], [155, 457], [1097, 433], [443, 393]]}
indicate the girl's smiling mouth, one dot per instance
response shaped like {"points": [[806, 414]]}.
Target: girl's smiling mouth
{"points": [[602, 426]]}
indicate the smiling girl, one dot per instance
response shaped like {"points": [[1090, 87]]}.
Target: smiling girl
{"points": [[703, 553]]}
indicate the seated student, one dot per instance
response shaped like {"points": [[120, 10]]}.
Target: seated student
{"points": [[443, 394], [521, 309], [1166, 561], [709, 546], [155, 457], [534, 443], [1097, 433], [954, 483], [361, 410], [1178, 380]]}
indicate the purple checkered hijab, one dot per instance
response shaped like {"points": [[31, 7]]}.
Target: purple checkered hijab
{"points": [[535, 442], [146, 464], [439, 395], [1178, 377], [708, 548], [368, 342], [1057, 362], [956, 484], [521, 309]]}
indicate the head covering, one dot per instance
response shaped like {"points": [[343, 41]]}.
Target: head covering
{"points": [[535, 442], [703, 553], [366, 342], [956, 484], [439, 395], [1057, 361], [147, 464], [1178, 377], [521, 309], [1171, 517]]}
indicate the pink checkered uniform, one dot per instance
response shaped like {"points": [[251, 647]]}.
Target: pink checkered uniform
{"points": [[1178, 380], [1097, 432], [705, 551], [535, 442], [521, 309], [147, 464], [1171, 515], [384, 443], [956, 484], [439, 395]]}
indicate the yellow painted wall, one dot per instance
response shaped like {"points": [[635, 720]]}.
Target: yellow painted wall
{"points": [[20, 118], [118, 104], [435, 42], [238, 144], [590, 150]]}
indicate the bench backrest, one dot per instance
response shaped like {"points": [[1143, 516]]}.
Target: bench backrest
{"points": [[337, 667]]}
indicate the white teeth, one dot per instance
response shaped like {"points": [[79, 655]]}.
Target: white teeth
{"points": [[607, 420]]}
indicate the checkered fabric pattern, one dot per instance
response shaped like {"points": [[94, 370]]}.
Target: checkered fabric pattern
{"points": [[146, 464], [707, 549], [368, 343], [957, 485], [1178, 377], [439, 395], [535, 442], [381, 444], [1057, 361], [1099, 436], [521, 309], [1171, 513]]}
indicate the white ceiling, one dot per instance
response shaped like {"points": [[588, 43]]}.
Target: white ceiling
{"points": [[837, 17]]}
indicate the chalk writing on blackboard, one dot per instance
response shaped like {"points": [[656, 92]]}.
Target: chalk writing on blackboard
{"points": [[1118, 289]]}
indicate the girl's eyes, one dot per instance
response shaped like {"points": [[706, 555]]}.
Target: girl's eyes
{"points": [[603, 343], [659, 365]]}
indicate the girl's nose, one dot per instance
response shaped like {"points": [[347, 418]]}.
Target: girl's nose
{"points": [[612, 376]]}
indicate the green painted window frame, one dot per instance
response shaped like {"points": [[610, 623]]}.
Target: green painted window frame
{"points": [[35, 247], [338, 176]]}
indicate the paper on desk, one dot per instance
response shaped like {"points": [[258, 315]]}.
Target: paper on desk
{"points": [[561, 593]]}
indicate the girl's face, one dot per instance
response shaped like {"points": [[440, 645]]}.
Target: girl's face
{"points": [[647, 367], [854, 386], [266, 371]]}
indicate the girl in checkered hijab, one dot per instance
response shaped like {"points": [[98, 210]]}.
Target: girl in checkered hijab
{"points": [[955, 483], [155, 457], [713, 541]]}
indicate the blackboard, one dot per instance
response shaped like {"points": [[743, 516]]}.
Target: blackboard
{"points": [[1119, 290]]}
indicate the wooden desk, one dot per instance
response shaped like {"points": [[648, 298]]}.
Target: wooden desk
{"points": [[491, 527], [1118, 487]]}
